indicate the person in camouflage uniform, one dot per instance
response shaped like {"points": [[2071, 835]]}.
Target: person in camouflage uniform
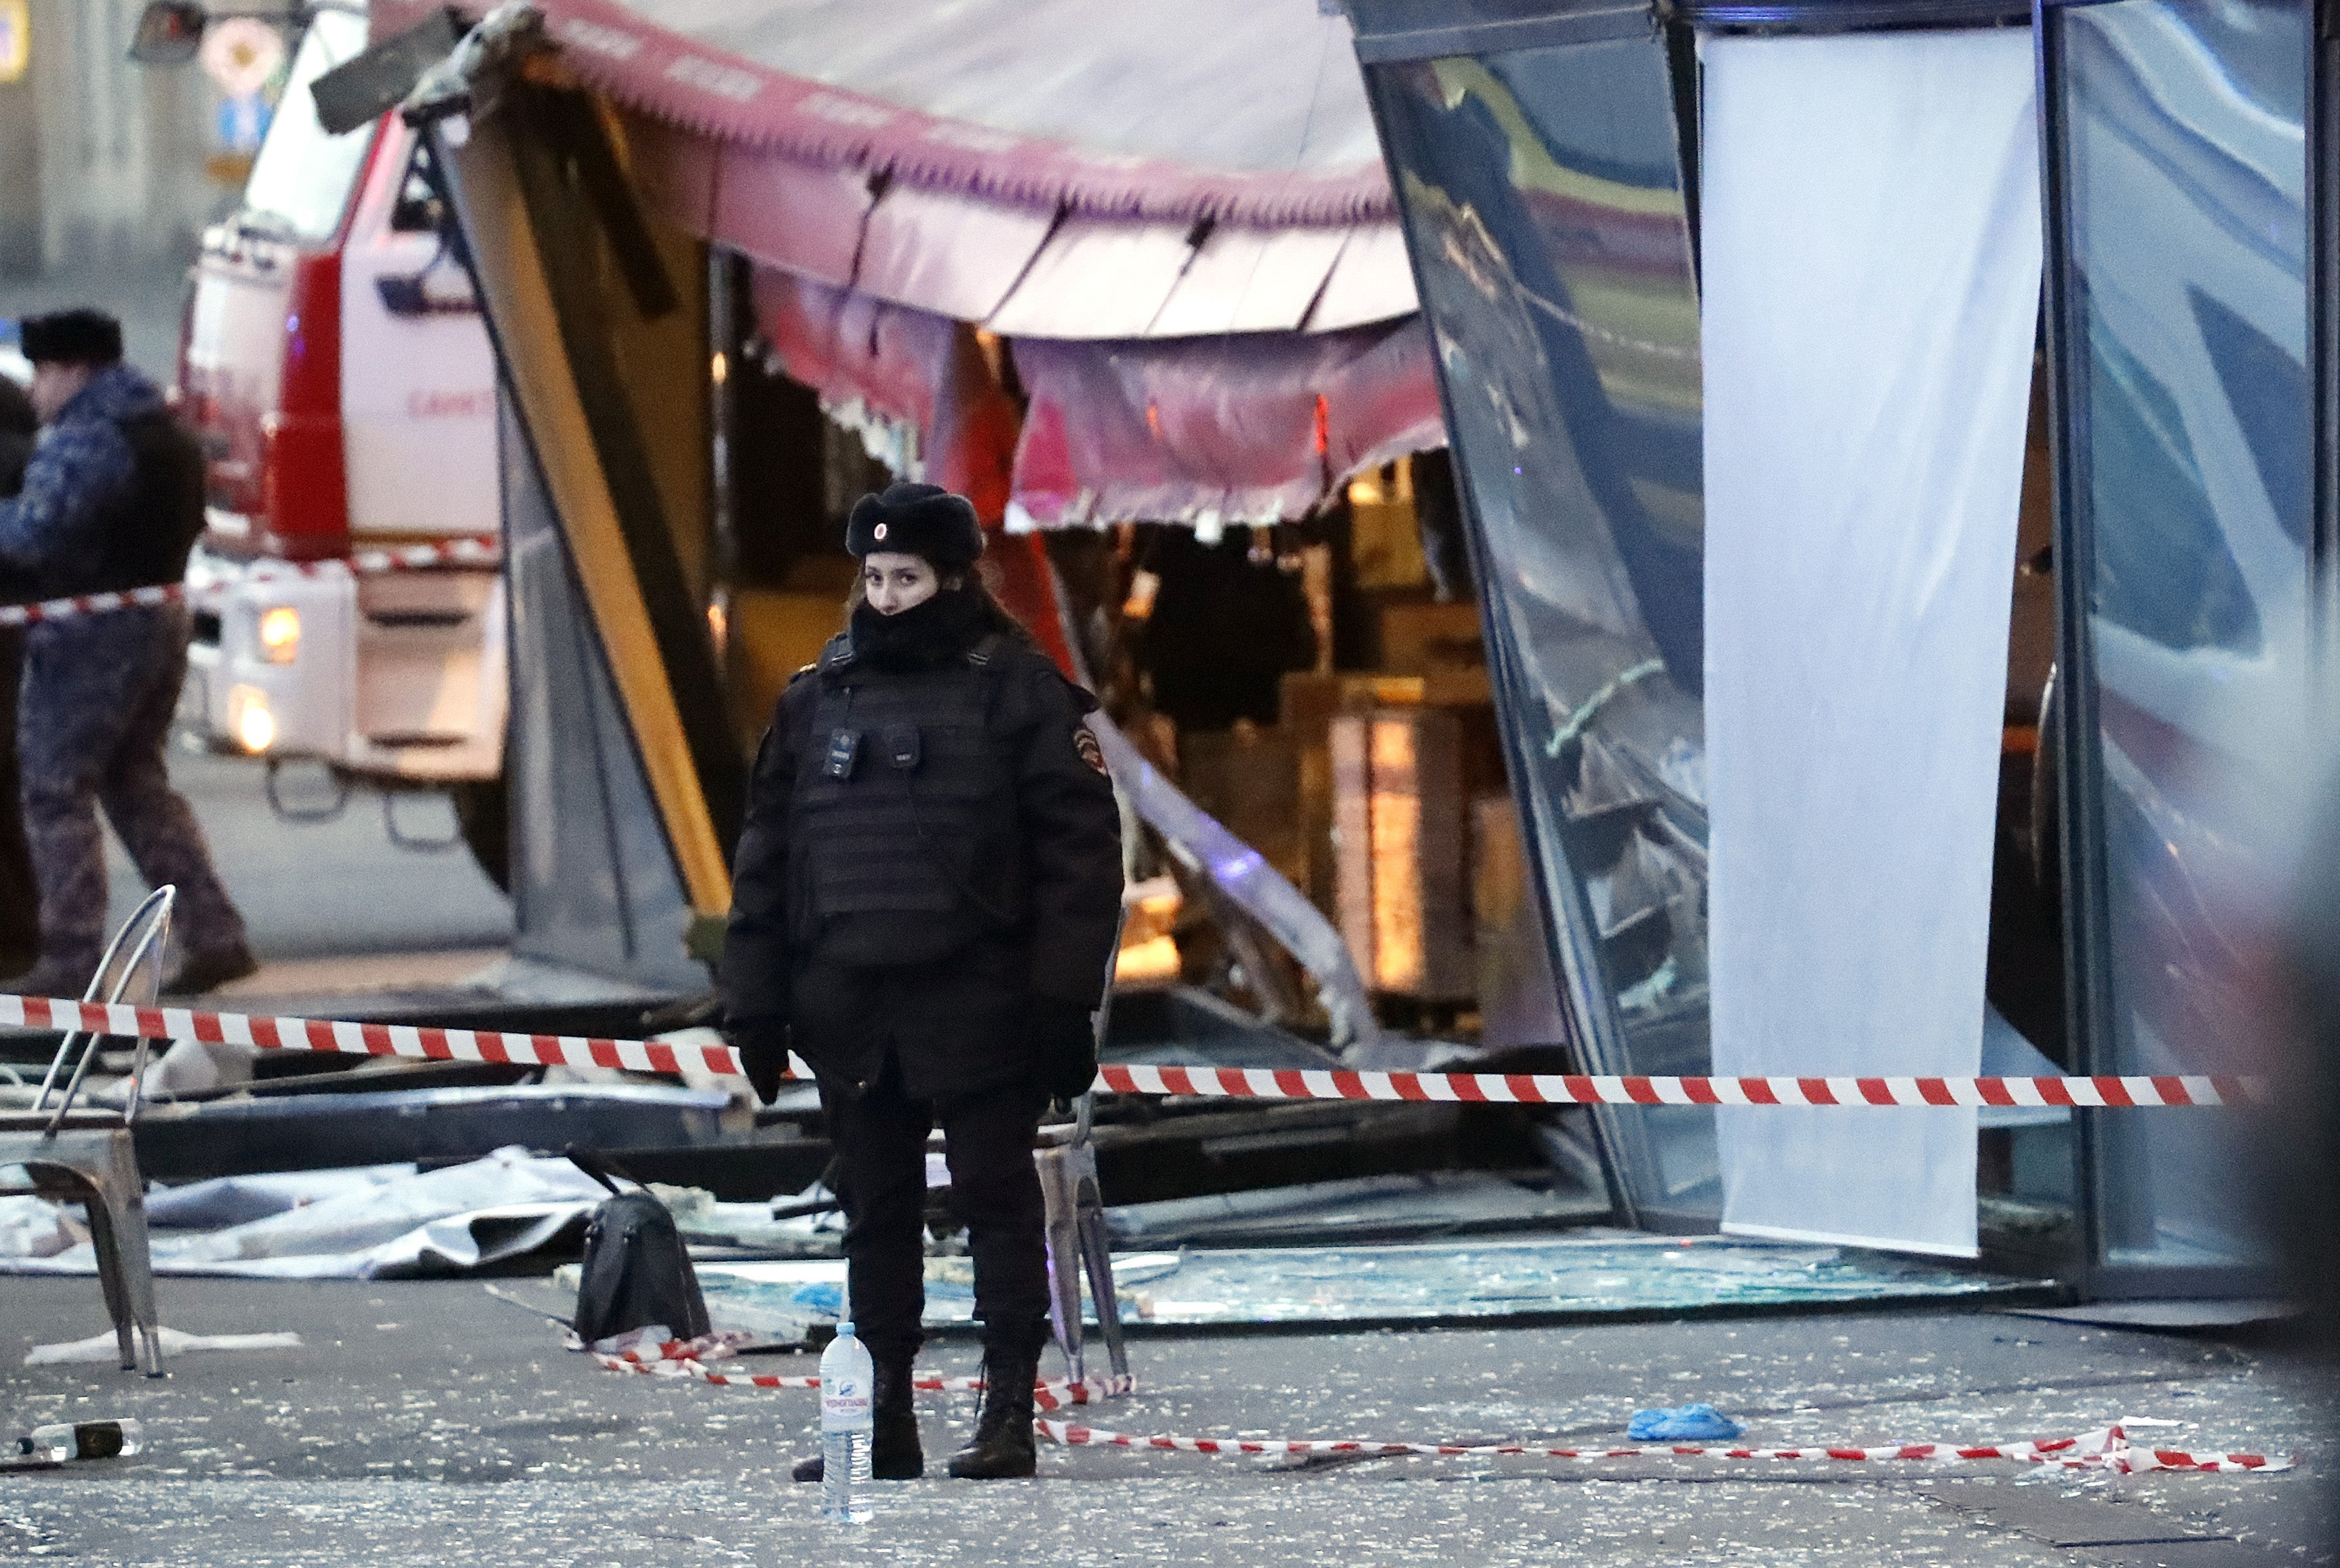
{"points": [[112, 500], [20, 926]]}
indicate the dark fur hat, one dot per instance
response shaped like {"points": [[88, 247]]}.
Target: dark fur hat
{"points": [[919, 521], [83, 337]]}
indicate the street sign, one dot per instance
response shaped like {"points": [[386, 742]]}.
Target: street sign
{"points": [[242, 122], [241, 54]]}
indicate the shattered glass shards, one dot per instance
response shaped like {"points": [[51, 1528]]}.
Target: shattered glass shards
{"points": [[1492, 1281], [1419, 1207]]}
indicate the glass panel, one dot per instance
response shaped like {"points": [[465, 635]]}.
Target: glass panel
{"points": [[302, 181], [1542, 192], [2190, 432]]}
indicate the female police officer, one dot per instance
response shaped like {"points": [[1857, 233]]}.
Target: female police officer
{"points": [[924, 901]]}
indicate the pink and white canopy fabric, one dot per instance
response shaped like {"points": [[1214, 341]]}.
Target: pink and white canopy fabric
{"points": [[1206, 430], [1249, 111], [1092, 181]]}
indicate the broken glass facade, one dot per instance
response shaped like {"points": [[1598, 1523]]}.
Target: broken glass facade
{"points": [[1543, 189], [1537, 153], [2180, 325]]}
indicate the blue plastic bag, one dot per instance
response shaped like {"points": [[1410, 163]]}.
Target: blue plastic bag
{"points": [[823, 1298], [1682, 1423]]}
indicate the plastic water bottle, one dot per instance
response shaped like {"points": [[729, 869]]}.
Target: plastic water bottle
{"points": [[68, 1440], [846, 1379]]}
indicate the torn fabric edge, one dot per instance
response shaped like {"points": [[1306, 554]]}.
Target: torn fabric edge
{"points": [[1247, 428], [719, 95], [1255, 428]]}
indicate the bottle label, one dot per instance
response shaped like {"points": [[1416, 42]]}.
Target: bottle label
{"points": [[844, 1401]]}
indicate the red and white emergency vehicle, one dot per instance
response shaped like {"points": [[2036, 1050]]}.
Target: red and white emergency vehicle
{"points": [[334, 364]]}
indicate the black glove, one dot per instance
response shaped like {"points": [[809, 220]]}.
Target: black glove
{"points": [[763, 1046], [1064, 1047]]}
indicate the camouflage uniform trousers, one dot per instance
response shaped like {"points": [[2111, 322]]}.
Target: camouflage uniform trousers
{"points": [[91, 720]]}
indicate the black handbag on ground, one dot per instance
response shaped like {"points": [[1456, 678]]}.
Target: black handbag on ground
{"points": [[637, 1271]]}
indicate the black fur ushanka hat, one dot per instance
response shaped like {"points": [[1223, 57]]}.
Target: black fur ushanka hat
{"points": [[82, 336], [919, 521]]}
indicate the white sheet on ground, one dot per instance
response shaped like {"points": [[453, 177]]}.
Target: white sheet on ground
{"points": [[1870, 233], [36, 1227], [224, 1200], [175, 1342], [506, 1205]]}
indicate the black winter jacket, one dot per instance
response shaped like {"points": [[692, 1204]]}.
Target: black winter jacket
{"points": [[916, 900]]}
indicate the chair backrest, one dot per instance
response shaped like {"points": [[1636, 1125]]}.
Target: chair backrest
{"points": [[1086, 1105], [137, 947]]}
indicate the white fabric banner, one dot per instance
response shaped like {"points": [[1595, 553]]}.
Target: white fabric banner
{"points": [[1870, 233]]}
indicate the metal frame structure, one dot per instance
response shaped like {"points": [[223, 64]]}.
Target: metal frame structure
{"points": [[598, 318], [1392, 32], [2088, 973], [2091, 1008], [2323, 329]]}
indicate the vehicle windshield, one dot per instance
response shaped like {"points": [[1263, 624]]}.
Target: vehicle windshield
{"points": [[301, 181]]}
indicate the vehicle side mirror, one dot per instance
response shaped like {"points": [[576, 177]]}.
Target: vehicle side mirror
{"points": [[169, 32]]}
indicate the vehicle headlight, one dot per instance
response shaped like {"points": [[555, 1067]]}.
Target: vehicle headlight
{"points": [[250, 720], [280, 635]]}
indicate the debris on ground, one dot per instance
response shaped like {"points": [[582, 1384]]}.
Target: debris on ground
{"points": [[62, 1442], [102, 1347], [366, 1223], [1682, 1423], [1490, 1282], [1359, 1210]]}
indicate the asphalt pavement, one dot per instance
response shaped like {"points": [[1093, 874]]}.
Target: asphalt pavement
{"points": [[335, 904], [424, 1422]]}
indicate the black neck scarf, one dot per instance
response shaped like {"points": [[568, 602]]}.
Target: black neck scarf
{"points": [[936, 631]]}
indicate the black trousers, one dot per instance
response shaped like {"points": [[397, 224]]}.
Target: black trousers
{"points": [[881, 1141], [20, 898]]}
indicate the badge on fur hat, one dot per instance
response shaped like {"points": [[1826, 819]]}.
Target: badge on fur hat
{"points": [[1085, 742], [919, 521]]}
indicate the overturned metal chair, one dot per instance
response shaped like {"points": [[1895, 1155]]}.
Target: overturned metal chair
{"points": [[1075, 1213], [1078, 1240], [85, 1156], [1072, 1225], [1074, 1222]]}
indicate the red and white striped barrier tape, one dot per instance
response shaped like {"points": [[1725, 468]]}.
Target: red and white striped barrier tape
{"points": [[422, 1043], [1573, 1089], [2106, 1449], [90, 605], [467, 552], [476, 551], [1049, 1394], [427, 1043]]}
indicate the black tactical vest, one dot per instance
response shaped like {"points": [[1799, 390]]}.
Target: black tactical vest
{"points": [[150, 529], [903, 831]]}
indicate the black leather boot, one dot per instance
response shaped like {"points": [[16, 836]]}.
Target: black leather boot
{"points": [[1002, 1444], [894, 1451]]}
